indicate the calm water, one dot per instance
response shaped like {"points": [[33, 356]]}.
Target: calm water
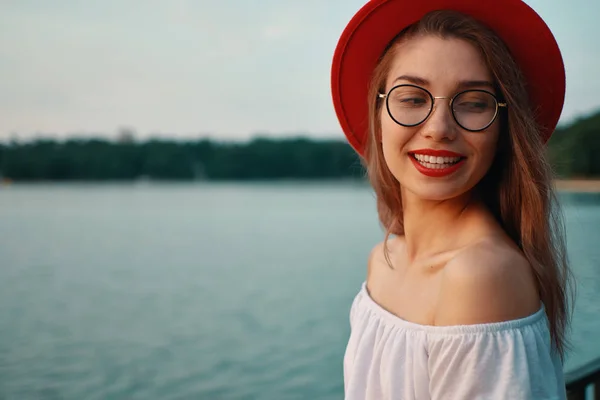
{"points": [[221, 291]]}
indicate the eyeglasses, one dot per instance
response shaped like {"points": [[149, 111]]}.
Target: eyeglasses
{"points": [[473, 110]]}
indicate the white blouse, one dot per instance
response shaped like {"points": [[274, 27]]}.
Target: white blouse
{"points": [[388, 358]]}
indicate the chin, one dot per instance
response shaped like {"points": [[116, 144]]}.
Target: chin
{"points": [[436, 192]]}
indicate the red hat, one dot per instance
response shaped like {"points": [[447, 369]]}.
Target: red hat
{"points": [[378, 22]]}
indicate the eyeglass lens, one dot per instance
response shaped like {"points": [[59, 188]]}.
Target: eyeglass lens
{"points": [[410, 105]]}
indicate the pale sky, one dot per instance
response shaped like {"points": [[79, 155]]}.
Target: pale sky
{"points": [[226, 69]]}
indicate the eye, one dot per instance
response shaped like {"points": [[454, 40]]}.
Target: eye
{"points": [[474, 102], [410, 98], [414, 101], [472, 105]]}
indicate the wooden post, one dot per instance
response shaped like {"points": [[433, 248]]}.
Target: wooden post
{"points": [[578, 380], [577, 394]]}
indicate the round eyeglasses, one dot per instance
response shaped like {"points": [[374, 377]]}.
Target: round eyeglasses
{"points": [[473, 110]]}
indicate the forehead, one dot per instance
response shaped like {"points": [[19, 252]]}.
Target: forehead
{"points": [[443, 62]]}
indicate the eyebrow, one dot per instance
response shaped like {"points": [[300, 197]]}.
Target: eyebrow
{"points": [[461, 84]]}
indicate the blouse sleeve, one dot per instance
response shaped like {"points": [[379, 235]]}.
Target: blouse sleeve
{"points": [[495, 361]]}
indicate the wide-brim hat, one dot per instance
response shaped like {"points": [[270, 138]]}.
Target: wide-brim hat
{"points": [[377, 23]]}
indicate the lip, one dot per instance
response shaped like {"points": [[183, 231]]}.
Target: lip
{"points": [[436, 173]]}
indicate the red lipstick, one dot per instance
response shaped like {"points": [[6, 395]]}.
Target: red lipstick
{"points": [[436, 172]]}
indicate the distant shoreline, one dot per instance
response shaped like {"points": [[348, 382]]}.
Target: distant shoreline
{"points": [[562, 185], [578, 185]]}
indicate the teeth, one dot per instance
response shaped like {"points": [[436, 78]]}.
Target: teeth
{"points": [[435, 161]]}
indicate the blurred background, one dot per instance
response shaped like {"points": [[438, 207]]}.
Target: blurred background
{"points": [[180, 217]]}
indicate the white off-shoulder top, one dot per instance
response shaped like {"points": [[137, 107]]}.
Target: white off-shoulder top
{"points": [[388, 358]]}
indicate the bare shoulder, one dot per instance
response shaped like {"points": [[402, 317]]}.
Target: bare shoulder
{"points": [[490, 281], [377, 267]]}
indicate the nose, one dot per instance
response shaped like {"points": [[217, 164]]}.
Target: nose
{"points": [[440, 125]]}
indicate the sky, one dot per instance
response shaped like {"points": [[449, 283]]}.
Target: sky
{"points": [[224, 69]]}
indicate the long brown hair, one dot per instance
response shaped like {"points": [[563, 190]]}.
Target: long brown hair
{"points": [[518, 188]]}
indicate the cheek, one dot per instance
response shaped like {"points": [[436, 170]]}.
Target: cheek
{"points": [[487, 147], [391, 143], [394, 146], [393, 136], [492, 140], [388, 137]]}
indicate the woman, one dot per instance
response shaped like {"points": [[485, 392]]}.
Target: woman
{"points": [[449, 103]]}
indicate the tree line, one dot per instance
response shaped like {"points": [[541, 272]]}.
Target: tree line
{"points": [[572, 151], [104, 160]]}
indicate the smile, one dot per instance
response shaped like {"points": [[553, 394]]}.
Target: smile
{"points": [[436, 163]]}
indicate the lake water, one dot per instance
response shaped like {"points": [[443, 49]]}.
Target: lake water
{"points": [[210, 291]]}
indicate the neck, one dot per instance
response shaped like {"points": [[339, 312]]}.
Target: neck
{"points": [[432, 227]]}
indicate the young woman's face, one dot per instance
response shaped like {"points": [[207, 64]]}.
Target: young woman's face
{"points": [[438, 159]]}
